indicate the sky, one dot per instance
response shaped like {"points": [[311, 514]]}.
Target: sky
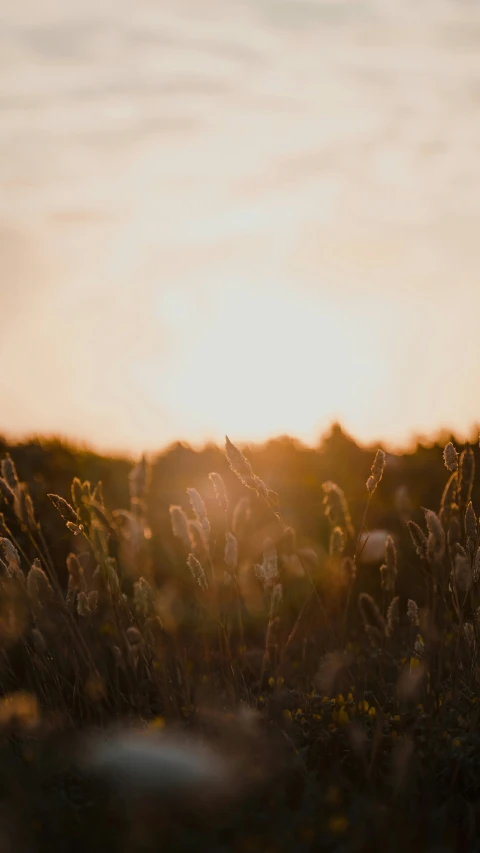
{"points": [[251, 217]]}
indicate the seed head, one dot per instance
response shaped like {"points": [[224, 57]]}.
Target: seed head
{"points": [[83, 606], [220, 490], [419, 539], [377, 470], [466, 476], [179, 523], [74, 528], [436, 537], [5, 492], [239, 464], [143, 598], [463, 573], [11, 555], [92, 599], [391, 555], [450, 457], [412, 613], [349, 570], [77, 493], [336, 507], [76, 575], [111, 575], [63, 507], [370, 613], [289, 541], [337, 542], [39, 588], [242, 468], [197, 571], [9, 472], [267, 573], [198, 507], [470, 527], [198, 543], [387, 579], [134, 636], [277, 595], [476, 567], [231, 551], [393, 616]]}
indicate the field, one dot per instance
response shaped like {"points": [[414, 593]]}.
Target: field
{"points": [[314, 694]]}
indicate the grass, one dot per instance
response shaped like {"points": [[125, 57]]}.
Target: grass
{"points": [[348, 717]]}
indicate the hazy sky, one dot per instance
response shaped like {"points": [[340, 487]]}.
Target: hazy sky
{"points": [[241, 216]]}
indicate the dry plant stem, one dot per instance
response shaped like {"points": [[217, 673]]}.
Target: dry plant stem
{"points": [[363, 528], [47, 557], [317, 596], [356, 557], [265, 653], [240, 618], [292, 635]]}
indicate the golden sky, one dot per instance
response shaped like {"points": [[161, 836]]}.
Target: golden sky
{"points": [[239, 216]]}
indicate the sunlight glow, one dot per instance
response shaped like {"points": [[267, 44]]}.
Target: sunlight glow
{"points": [[252, 218]]}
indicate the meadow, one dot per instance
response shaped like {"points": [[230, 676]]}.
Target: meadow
{"points": [[228, 600]]}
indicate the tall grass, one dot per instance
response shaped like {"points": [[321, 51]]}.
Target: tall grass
{"points": [[372, 695]]}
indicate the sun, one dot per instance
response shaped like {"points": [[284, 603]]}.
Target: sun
{"points": [[262, 361]]}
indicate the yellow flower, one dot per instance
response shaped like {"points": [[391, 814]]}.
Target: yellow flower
{"points": [[372, 712], [350, 697], [342, 717], [340, 699], [157, 723], [456, 742], [414, 662], [271, 682], [337, 824], [363, 706], [287, 716], [280, 681]]}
